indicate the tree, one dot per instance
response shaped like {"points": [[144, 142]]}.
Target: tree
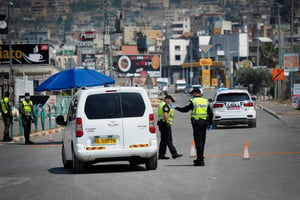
{"points": [[268, 55], [256, 79]]}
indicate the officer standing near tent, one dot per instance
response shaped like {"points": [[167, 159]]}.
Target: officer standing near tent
{"points": [[6, 115], [27, 116]]}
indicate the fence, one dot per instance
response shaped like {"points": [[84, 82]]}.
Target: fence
{"points": [[45, 116]]}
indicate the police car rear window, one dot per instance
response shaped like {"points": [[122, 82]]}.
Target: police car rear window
{"points": [[233, 97], [114, 105]]}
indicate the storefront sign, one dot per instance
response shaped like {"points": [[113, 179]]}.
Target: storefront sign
{"points": [[87, 35], [24, 54], [139, 64], [206, 62]]}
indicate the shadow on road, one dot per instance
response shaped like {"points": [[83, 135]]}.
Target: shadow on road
{"points": [[101, 168]]}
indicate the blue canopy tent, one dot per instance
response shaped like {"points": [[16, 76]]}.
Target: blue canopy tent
{"points": [[74, 78]]}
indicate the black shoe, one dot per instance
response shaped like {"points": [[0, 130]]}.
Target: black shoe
{"points": [[7, 139], [199, 163], [29, 142], [176, 156], [163, 157]]}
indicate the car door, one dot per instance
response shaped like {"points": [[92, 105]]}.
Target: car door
{"points": [[135, 120], [69, 130], [104, 125]]}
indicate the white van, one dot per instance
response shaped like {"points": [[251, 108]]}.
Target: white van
{"points": [[109, 124], [163, 85], [180, 86]]}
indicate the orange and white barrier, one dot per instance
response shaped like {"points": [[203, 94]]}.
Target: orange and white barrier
{"points": [[50, 135], [193, 152], [246, 155]]}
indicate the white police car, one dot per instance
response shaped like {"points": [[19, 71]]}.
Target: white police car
{"points": [[109, 124], [233, 107]]}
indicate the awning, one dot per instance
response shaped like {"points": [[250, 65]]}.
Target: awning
{"points": [[264, 39]]}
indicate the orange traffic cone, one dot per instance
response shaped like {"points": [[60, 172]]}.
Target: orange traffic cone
{"points": [[246, 155], [193, 152], [50, 135]]}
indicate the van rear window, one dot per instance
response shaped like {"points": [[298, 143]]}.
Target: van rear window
{"points": [[114, 105]]}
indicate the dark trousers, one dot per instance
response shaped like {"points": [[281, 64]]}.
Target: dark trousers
{"points": [[166, 139], [26, 122], [199, 132], [7, 121]]}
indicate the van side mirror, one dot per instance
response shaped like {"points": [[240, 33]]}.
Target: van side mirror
{"points": [[60, 120], [253, 98]]}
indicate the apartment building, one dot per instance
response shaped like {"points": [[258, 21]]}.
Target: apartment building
{"points": [[178, 28]]}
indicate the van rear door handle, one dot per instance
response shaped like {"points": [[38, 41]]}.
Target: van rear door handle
{"points": [[113, 123]]}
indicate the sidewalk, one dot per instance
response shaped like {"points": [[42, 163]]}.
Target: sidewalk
{"points": [[18, 133], [281, 111]]}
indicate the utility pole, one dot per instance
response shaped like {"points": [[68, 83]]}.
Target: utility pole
{"points": [[10, 40], [106, 40], [278, 83], [292, 48]]}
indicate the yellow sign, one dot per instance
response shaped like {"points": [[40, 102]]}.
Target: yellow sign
{"points": [[206, 62], [217, 64], [214, 82], [206, 77]]}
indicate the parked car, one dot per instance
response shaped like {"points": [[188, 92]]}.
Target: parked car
{"points": [[109, 124], [233, 107], [189, 90]]}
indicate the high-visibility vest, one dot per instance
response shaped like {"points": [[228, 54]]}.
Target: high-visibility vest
{"points": [[5, 105], [27, 106], [161, 113], [199, 108]]}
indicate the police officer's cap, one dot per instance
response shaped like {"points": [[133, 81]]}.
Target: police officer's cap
{"points": [[27, 94], [196, 90], [170, 97]]}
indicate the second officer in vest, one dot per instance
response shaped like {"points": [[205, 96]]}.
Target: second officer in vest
{"points": [[165, 121], [26, 109], [6, 115], [201, 118]]}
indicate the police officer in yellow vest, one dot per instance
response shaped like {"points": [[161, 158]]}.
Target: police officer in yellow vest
{"points": [[165, 121], [6, 115], [27, 116], [201, 119]]}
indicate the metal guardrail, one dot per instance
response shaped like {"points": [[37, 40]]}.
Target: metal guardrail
{"points": [[45, 115]]}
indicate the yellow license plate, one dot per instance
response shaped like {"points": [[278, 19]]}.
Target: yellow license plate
{"points": [[105, 141]]}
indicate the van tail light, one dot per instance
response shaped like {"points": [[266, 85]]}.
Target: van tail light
{"points": [[218, 105], [152, 128], [250, 104], [79, 128]]}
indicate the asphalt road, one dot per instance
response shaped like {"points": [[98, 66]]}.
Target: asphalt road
{"points": [[272, 172]]}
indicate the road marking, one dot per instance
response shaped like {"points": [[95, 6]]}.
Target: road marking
{"points": [[254, 154]]}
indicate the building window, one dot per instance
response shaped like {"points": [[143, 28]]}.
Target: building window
{"points": [[177, 57], [177, 48]]}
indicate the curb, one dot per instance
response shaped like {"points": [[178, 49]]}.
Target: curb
{"points": [[37, 134], [270, 112]]}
